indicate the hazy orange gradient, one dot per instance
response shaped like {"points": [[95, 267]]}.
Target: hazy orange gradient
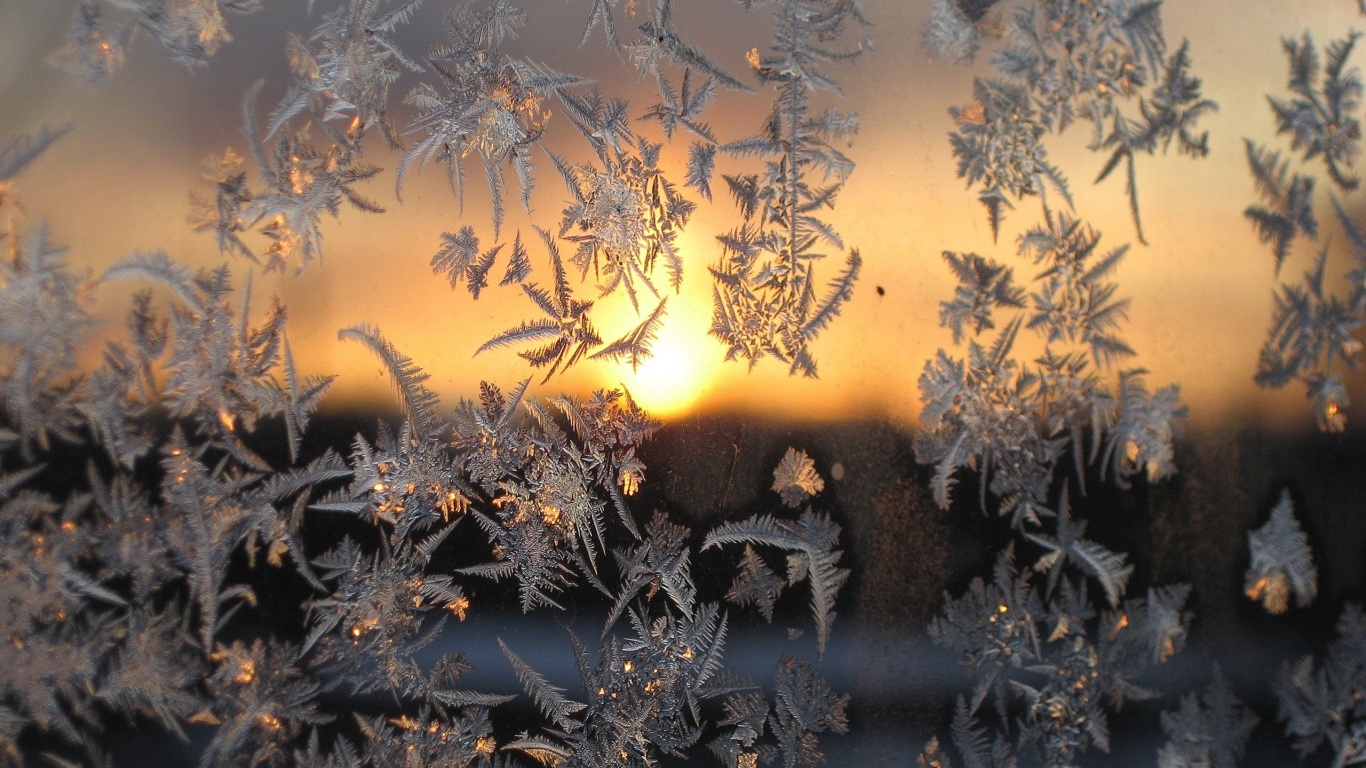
{"points": [[1201, 291]]}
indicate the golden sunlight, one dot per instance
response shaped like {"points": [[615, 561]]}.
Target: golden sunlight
{"points": [[903, 206], [683, 365]]}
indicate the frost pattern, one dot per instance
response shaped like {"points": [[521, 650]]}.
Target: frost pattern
{"points": [[135, 594], [1282, 562], [1068, 61], [796, 478], [1312, 338]]}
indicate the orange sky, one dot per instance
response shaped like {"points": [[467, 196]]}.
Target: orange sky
{"points": [[1201, 292]]}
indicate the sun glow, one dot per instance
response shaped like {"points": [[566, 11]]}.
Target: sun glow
{"points": [[677, 375], [684, 363]]}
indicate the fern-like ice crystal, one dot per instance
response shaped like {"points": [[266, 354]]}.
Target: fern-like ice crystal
{"points": [[1282, 562]]}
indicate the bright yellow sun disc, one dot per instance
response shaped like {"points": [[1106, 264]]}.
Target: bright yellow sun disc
{"points": [[674, 378]]}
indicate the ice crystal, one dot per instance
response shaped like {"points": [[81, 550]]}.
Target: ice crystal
{"points": [[645, 693], [1064, 716], [226, 213], [806, 707], [634, 347], [1075, 302], [44, 319], [972, 742], [999, 145], [1291, 201], [460, 259], [984, 285], [755, 584], [1208, 729], [1049, 658], [434, 735], [1063, 62], [492, 105], [624, 217], [567, 329], [1282, 562], [92, 53], [544, 518], [366, 631], [302, 183], [130, 592], [1321, 118], [950, 33], [796, 478], [1014, 422], [1312, 333], [221, 371], [811, 540], [979, 413], [660, 562], [138, 584], [1171, 112], [1044, 651], [660, 40], [992, 627], [684, 107], [765, 292], [611, 427], [191, 30], [1146, 429], [1322, 703], [263, 703], [1105, 566], [418, 402], [345, 67]]}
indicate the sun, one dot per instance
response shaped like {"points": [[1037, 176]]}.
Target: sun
{"points": [[683, 364], [673, 379]]}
